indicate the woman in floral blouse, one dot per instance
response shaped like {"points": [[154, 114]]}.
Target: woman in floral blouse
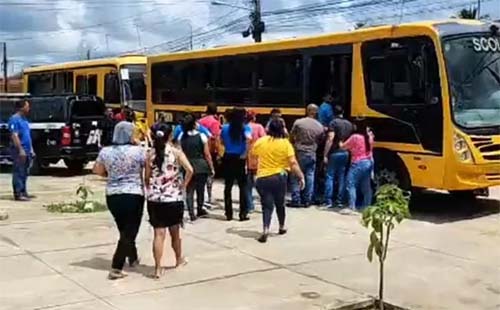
{"points": [[165, 193], [123, 165]]}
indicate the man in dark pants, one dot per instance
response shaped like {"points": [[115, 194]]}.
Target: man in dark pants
{"points": [[306, 133], [21, 149]]}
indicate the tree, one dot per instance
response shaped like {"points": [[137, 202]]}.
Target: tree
{"points": [[390, 208], [470, 13], [467, 13]]}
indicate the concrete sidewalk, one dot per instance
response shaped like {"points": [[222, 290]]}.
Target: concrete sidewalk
{"points": [[52, 261]]}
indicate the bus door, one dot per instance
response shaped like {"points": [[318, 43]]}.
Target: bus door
{"points": [[330, 71], [402, 82]]}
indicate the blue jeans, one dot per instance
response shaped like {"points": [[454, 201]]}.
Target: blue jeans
{"points": [[307, 163], [359, 181], [272, 190], [20, 172], [335, 178], [250, 186]]}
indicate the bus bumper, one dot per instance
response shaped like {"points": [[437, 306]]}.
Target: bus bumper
{"points": [[473, 177]]}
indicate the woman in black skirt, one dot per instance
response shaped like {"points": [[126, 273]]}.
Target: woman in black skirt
{"points": [[165, 193]]}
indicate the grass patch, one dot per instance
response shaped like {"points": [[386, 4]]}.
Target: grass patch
{"points": [[76, 207]]}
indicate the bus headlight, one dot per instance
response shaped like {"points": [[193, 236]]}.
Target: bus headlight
{"points": [[462, 149]]}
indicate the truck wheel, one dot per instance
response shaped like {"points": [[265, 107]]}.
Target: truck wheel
{"points": [[38, 166], [74, 165]]}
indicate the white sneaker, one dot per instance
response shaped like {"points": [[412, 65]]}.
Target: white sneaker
{"points": [[347, 211]]}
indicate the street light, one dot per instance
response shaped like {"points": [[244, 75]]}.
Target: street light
{"points": [[257, 26]]}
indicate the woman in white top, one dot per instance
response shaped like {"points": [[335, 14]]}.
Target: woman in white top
{"points": [[165, 193]]}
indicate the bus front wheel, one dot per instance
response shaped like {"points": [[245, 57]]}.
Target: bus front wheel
{"points": [[391, 171]]}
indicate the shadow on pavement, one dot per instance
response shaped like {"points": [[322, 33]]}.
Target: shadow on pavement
{"points": [[99, 263], [243, 233], [441, 208]]}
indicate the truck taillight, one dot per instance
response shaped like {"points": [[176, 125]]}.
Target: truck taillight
{"points": [[66, 136]]}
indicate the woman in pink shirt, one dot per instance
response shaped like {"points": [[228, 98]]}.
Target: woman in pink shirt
{"points": [[258, 131], [360, 145]]}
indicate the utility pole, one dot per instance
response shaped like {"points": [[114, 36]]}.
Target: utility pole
{"points": [[88, 54], [190, 36], [257, 23], [257, 26], [478, 16], [107, 42], [138, 35], [4, 63]]}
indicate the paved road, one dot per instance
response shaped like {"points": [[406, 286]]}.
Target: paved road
{"points": [[446, 257]]}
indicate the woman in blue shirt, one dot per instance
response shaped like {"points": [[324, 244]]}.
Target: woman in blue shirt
{"points": [[235, 137]]}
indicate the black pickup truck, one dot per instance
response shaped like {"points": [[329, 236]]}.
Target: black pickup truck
{"points": [[70, 128]]}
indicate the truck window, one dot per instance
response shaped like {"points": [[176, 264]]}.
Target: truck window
{"points": [[49, 109]]}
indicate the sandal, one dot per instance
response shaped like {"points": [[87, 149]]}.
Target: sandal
{"points": [[157, 275], [183, 262]]}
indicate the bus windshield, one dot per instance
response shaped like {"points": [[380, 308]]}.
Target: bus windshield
{"points": [[134, 86], [474, 74]]}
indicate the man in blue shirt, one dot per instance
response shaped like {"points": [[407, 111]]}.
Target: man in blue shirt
{"points": [[325, 112], [178, 131], [21, 149]]}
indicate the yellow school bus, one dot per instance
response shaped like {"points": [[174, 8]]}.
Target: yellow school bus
{"points": [[429, 90], [119, 81]]}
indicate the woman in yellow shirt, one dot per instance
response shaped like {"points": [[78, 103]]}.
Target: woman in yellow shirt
{"points": [[276, 158]]}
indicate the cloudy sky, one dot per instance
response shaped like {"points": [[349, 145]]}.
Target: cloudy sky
{"points": [[46, 31]]}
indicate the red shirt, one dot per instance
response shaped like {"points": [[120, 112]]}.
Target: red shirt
{"points": [[212, 123], [119, 117]]}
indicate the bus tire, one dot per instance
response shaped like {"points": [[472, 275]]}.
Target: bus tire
{"points": [[390, 169], [74, 165]]}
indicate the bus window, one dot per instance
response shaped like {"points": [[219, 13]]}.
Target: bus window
{"points": [[40, 84], [279, 80], [197, 78], [400, 72], [400, 78], [58, 83], [92, 85], [111, 88], [165, 82], [81, 84], [234, 81], [68, 82]]}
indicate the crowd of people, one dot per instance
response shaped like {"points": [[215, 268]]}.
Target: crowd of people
{"points": [[322, 147]]}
